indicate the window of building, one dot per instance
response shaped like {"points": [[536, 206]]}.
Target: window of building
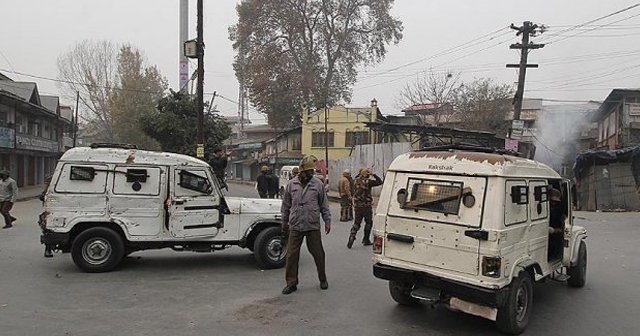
{"points": [[295, 142], [20, 126], [356, 138], [317, 139]]}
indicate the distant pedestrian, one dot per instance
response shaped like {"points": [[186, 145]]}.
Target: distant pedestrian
{"points": [[346, 197], [263, 182], [274, 183], [363, 205], [8, 195], [303, 203]]}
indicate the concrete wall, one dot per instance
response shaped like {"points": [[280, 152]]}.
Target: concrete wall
{"points": [[378, 157]]}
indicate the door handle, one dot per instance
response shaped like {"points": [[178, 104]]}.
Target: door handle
{"points": [[400, 238], [178, 202], [477, 234]]}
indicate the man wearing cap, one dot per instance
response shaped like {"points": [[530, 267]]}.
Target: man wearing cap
{"points": [[303, 203], [363, 205], [263, 182], [8, 194], [346, 202]]}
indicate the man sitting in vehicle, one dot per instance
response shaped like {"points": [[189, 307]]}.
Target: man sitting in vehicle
{"points": [[556, 225]]}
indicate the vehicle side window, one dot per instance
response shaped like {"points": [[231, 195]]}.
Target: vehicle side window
{"points": [[82, 179], [192, 183], [136, 181], [515, 211], [538, 199]]}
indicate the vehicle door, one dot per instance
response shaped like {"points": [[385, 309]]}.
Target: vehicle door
{"points": [[567, 204], [538, 236], [194, 204], [137, 198], [434, 219], [80, 191]]}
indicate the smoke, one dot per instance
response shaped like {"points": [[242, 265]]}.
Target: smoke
{"points": [[558, 131]]}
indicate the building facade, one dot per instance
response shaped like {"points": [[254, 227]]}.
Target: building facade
{"points": [[34, 132], [618, 119]]}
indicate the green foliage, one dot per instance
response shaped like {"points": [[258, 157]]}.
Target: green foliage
{"points": [[292, 53], [135, 97], [174, 125]]}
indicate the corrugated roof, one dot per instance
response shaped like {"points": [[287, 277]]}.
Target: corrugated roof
{"points": [[27, 91]]}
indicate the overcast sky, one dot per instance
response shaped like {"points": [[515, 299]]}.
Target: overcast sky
{"points": [[582, 67]]}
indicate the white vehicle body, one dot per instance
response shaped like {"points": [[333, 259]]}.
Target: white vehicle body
{"points": [[285, 176], [150, 200], [432, 241]]}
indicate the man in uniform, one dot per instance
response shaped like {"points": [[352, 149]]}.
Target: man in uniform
{"points": [[363, 205], [219, 164], [8, 194], [303, 203], [263, 182], [346, 201]]}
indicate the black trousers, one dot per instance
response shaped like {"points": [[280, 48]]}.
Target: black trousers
{"points": [[361, 213], [314, 245]]}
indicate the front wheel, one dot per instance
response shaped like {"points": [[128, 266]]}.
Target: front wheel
{"points": [[270, 248], [578, 273], [513, 316], [97, 250], [401, 293]]}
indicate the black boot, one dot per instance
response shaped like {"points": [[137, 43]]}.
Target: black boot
{"points": [[289, 289], [47, 252], [352, 238], [365, 240]]}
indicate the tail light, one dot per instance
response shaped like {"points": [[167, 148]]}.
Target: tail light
{"points": [[377, 244], [491, 266]]}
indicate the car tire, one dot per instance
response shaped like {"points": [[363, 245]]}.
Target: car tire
{"points": [[513, 315], [97, 250], [270, 248], [401, 293], [578, 273]]}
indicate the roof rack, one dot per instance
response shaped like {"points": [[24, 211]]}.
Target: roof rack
{"points": [[112, 145], [471, 148]]}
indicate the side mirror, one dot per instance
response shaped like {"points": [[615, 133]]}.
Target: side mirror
{"points": [[519, 195]]}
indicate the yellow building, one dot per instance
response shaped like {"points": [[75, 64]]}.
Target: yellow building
{"points": [[346, 126]]}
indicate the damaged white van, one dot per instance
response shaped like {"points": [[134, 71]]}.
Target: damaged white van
{"points": [[107, 201], [473, 229]]}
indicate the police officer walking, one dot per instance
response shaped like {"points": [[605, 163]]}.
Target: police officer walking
{"points": [[303, 203], [363, 205], [346, 200]]}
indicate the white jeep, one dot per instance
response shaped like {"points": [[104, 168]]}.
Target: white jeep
{"points": [[107, 201], [471, 229]]}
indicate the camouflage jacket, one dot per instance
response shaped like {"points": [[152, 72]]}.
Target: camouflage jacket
{"points": [[362, 193]]}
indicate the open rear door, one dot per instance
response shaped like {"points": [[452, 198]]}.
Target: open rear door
{"points": [[194, 209], [567, 194]]}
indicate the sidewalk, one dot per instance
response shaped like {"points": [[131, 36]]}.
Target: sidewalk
{"points": [[29, 193]]}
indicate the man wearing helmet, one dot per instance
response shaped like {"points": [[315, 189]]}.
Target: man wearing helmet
{"points": [[303, 203], [363, 205], [264, 182], [346, 201]]}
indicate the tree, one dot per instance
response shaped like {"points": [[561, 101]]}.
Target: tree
{"points": [[91, 68], [293, 53], [136, 95], [432, 88], [174, 125], [484, 105]]}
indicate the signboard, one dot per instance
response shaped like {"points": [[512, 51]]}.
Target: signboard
{"points": [[34, 143], [7, 137], [184, 73], [516, 129], [634, 109], [200, 151], [511, 144], [191, 49], [255, 145]]}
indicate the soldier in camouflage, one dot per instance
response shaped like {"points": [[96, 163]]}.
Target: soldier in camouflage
{"points": [[363, 205]]}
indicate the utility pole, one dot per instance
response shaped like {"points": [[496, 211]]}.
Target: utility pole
{"points": [[75, 120], [200, 90], [326, 141], [528, 29]]}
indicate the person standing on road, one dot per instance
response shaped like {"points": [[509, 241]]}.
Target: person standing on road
{"points": [[274, 182], [8, 195], [363, 205], [263, 181], [303, 203], [346, 200]]}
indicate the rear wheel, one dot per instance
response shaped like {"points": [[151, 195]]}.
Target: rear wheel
{"points": [[513, 316], [401, 293], [97, 250], [270, 248], [578, 273]]}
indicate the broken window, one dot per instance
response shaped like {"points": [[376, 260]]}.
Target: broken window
{"points": [[436, 196]]}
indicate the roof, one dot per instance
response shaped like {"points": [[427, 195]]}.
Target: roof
{"points": [[123, 156], [51, 103], [471, 163], [614, 98], [24, 90], [424, 107]]}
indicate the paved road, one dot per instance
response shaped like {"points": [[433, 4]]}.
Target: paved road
{"points": [[224, 293]]}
